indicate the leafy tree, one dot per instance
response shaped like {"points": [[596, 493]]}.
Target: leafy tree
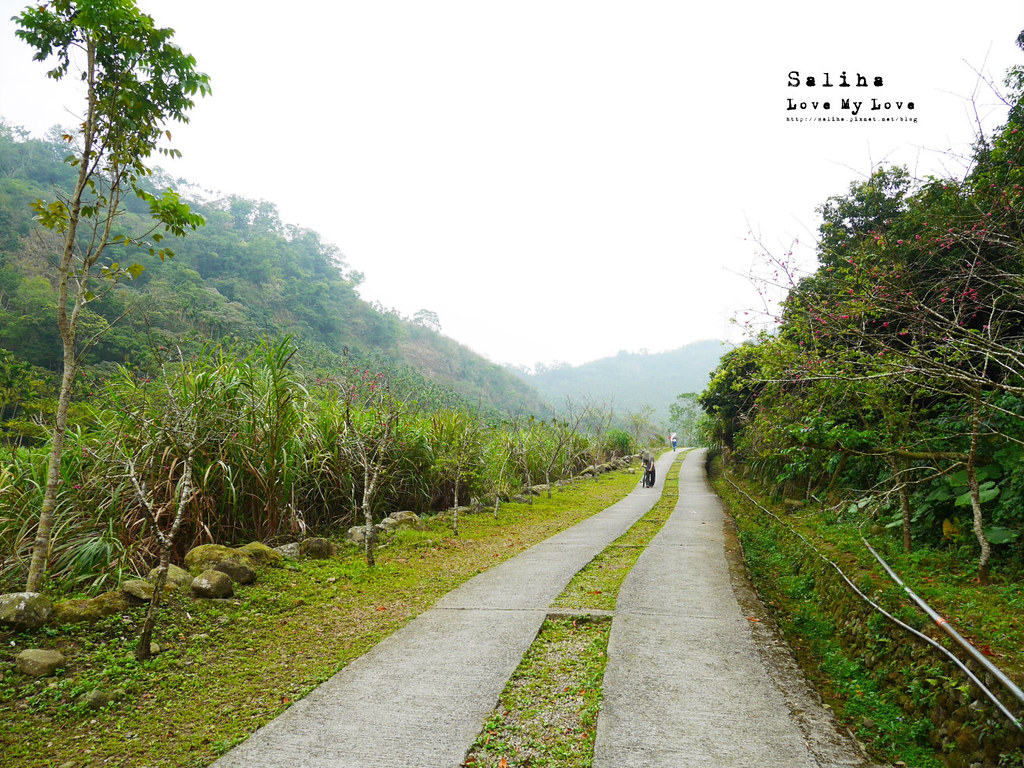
{"points": [[135, 80], [684, 415]]}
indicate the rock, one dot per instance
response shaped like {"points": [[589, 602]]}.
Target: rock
{"points": [[540, 490], [261, 554], [204, 556], [212, 584], [235, 564], [407, 519], [110, 603], [357, 534], [520, 499], [73, 612], [388, 524], [97, 699], [39, 662], [138, 589], [76, 611], [24, 610], [316, 549], [179, 577], [239, 568], [288, 551]]}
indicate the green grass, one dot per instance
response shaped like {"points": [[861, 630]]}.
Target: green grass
{"points": [[547, 714], [231, 666], [871, 710], [596, 586]]}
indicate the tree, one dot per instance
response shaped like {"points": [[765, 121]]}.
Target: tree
{"points": [[640, 427], [135, 81], [158, 453], [372, 415], [455, 439], [684, 414], [428, 320]]}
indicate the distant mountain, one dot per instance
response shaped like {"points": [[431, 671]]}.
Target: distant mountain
{"points": [[244, 276], [631, 380]]}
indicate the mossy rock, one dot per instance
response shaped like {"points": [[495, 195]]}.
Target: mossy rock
{"points": [[90, 610], [24, 610], [238, 565], [202, 557], [138, 589], [261, 554], [316, 549], [177, 577], [212, 584], [39, 662]]}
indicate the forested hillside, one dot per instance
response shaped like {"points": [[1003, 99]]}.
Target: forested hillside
{"points": [[631, 380], [243, 276], [895, 379]]}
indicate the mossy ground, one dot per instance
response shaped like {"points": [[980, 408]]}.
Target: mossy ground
{"points": [[945, 578], [231, 666]]}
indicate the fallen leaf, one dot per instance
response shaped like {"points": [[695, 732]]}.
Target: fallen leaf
{"points": [[752, 618]]}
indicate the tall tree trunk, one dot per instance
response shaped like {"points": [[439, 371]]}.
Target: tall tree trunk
{"points": [[906, 514], [975, 491], [41, 546], [68, 329], [144, 649], [370, 538]]}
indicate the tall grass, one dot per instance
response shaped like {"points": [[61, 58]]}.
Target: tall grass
{"points": [[271, 462]]}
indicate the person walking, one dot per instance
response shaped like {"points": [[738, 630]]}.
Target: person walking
{"points": [[673, 439]]}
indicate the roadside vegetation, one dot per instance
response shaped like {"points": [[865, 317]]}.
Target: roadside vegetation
{"points": [[230, 666], [887, 403]]}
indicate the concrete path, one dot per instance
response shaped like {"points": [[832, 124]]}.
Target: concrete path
{"points": [[420, 697], [685, 683]]}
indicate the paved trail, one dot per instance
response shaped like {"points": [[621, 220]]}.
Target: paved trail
{"points": [[420, 697], [686, 684]]}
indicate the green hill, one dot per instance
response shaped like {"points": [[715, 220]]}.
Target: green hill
{"points": [[631, 380], [243, 276]]}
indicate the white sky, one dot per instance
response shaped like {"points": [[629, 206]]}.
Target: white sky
{"points": [[557, 179]]}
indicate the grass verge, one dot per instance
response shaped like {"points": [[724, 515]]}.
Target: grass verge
{"points": [[231, 666], [869, 708], [547, 714]]}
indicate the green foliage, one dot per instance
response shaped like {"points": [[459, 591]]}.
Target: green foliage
{"points": [[273, 459], [895, 367], [243, 277], [618, 442], [214, 680]]}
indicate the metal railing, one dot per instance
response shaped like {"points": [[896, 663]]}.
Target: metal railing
{"points": [[920, 635]]}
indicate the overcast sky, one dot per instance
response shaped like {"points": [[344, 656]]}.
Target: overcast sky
{"points": [[561, 180]]}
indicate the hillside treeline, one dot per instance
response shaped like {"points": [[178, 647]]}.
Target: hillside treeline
{"points": [[892, 385], [242, 277]]}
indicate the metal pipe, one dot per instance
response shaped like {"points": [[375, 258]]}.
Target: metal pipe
{"points": [[920, 635], [946, 627]]}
